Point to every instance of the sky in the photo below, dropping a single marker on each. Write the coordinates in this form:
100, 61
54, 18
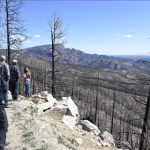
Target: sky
94, 27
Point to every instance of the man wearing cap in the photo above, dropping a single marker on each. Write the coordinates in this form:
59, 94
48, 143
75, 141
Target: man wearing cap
4, 76
14, 80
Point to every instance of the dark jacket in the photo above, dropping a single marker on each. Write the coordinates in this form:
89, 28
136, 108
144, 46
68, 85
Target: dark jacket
14, 73
1, 98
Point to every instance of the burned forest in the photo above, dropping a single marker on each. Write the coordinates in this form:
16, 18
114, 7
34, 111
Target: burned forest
115, 100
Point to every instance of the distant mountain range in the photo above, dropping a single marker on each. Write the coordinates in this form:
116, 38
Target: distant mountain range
78, 57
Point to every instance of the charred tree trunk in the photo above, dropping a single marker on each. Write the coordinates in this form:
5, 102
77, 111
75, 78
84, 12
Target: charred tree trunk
8, 34
53, 71
112, 120
145, 123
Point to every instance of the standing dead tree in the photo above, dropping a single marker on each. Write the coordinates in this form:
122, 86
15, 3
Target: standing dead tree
58, 38
1, 28
14, 27
145, 124
112, 120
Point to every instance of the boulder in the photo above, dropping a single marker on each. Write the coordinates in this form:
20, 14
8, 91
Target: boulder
44, 93
108, 138
72, 109
99, 144
44, 106
78, 141
43, 97
37, 96
88, 126
104, 143
125, 145
70, 121
38, 100
49, 98
57, 112
107, 135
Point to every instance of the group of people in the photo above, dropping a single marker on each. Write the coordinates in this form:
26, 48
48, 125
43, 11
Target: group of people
9, 80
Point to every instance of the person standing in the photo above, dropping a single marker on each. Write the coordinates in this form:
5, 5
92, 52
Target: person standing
3, 124
26, 79
4, 76
14, 80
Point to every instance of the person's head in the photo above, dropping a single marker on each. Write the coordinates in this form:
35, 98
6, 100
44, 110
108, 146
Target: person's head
3, 58
25, 70
14, 62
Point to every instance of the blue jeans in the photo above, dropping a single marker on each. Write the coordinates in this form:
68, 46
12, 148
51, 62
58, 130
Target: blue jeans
13, 86
5, 92
3, 127
27, 89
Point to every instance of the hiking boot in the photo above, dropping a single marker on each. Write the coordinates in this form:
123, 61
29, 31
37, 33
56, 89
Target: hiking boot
16, 100
7, 143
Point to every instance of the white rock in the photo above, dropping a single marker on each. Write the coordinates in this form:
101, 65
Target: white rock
79, 141
57, 112
79, 126
103, 143
70, 121
107, 135
72, 108
50, 98
108, 138
99, 144
88, 126
44, 93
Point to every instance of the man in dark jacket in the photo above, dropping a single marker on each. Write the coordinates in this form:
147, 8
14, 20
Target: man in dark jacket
3, 123
5, 76
14, 80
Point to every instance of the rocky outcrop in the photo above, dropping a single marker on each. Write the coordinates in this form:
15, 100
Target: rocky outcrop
88, 126
43, 105
108, 138
57, 112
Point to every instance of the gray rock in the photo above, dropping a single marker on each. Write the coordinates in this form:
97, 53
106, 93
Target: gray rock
44, 93
88, 126
108, 138
72, 109
57, 112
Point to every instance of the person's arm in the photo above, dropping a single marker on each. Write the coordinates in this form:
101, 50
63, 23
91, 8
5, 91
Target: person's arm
7, 71
18, 74
24, 76
1, 97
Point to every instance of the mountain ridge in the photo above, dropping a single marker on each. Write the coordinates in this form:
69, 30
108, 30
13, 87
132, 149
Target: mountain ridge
82, 58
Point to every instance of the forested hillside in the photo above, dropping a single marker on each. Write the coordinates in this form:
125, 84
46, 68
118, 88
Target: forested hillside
104, 96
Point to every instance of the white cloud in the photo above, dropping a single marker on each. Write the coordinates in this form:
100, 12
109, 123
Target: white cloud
29, 41
49, 43
16, 37
37, 36
128, 36
119, 34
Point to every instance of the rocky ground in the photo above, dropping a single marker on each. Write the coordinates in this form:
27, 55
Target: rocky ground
30, 131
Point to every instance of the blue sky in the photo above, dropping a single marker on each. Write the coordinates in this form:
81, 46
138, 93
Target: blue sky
95, 27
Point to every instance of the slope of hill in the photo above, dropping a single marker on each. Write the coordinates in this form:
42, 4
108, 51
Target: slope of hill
29, 130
